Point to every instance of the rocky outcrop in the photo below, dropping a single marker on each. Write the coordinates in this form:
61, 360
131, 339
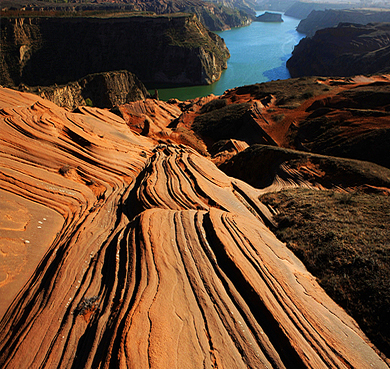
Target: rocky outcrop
103, 90
269, 17
346, 117
345, 50
331, 18
288, 168
175, 49
123, 253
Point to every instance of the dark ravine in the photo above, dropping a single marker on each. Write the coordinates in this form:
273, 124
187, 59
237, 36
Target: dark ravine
180, 50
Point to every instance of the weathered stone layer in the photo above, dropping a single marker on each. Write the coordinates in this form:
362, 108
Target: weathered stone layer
161, 261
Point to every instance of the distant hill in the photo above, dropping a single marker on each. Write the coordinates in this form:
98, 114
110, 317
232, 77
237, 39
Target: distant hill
345, 50
319, 19
301, 9
217, 17
275, 5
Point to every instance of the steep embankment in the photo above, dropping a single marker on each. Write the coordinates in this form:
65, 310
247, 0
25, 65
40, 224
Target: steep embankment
171, 49
160, 259
345, 50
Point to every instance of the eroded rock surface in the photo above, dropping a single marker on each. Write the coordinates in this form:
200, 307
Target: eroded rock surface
160, 260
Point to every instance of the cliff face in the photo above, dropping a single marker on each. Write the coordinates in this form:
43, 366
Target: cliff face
346, 50
123, 253
330, 18
103, 90
213, 16
44, 51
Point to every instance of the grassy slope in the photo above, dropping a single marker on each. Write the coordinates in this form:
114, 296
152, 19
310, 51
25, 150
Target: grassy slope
344, 240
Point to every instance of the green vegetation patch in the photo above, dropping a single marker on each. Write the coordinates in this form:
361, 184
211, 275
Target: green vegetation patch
344, 241
194, 35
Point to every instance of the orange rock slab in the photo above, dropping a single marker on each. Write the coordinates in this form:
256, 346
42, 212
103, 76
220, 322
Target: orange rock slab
159, 260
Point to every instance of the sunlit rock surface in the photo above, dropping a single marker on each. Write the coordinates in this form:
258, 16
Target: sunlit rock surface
146, 256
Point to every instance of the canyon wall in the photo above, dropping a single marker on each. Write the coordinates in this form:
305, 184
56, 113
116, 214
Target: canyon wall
175, 50
346, 50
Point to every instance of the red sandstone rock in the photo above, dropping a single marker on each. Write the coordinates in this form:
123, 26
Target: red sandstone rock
154, 257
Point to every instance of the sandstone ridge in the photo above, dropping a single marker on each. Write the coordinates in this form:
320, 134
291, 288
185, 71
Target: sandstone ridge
155, 257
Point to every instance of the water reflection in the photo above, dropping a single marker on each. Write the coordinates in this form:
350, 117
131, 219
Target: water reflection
258, 54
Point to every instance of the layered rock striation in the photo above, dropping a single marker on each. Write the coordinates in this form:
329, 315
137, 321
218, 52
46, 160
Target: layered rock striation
156, 258
170, 49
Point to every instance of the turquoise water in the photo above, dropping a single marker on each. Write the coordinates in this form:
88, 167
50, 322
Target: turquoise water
258, 54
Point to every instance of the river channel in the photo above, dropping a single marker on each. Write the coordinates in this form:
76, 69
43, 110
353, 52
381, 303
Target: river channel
258, 54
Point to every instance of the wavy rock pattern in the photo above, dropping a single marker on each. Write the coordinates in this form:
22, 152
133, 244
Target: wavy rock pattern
162, 260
